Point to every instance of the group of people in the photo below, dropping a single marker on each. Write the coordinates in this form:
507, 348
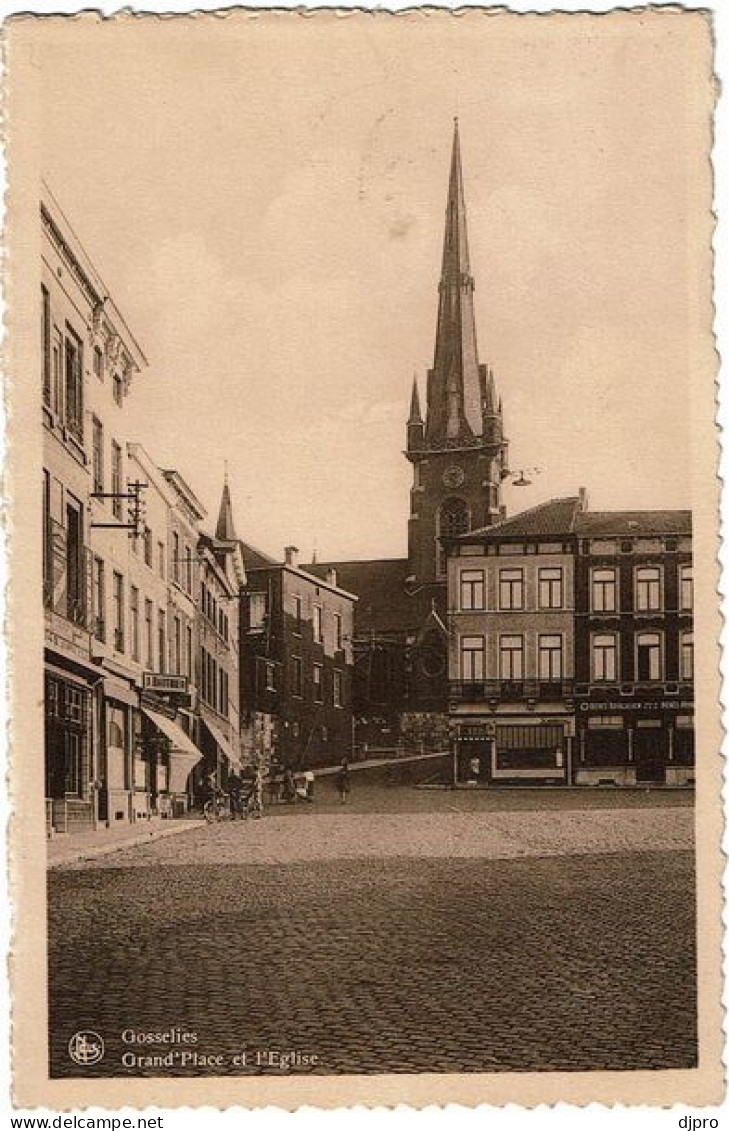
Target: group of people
244, 790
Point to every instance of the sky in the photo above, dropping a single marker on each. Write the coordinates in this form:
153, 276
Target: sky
265, 196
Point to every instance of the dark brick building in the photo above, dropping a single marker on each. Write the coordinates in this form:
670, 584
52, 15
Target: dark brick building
296, 664
634, 647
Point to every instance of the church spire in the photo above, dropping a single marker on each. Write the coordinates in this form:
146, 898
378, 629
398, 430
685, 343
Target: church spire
415, 417
225, 529
454, 386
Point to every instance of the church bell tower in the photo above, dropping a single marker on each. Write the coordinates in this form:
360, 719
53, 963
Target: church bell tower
458, 451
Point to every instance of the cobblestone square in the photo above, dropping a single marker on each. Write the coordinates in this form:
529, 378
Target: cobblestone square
507, 959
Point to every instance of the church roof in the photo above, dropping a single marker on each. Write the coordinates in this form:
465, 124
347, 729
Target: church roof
225, 529
384, 606
454, 408
253, 558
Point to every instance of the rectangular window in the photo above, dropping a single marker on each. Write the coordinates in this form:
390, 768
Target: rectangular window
604, 658
118, 389
472, 658
297, 614
99, 601
256, 612
118, 612
511, 658
75, 579
550, 588
687, 656
604, 591
46, 344
188, 651
47, 542
176, 557
338, 689
74, 384
161, 559
687, 587
134, 620
177, 646
472, 589
57, 375
511, 589
162, 641
318, 684
149, 634
296, 680
318, 624
338, 631
116, 479
98, 455
187, 554
550, 658
647, 589
648, 656
98, 363
147, 538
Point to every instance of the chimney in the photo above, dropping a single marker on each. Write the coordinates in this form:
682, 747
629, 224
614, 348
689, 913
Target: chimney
291, 554
332, 577
583, 504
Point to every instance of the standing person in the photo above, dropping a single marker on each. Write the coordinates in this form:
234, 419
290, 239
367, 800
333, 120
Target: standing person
309, 780
234, 784
258, 792
343, 782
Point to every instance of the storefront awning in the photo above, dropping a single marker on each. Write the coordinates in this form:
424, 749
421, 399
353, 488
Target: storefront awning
184, 753
121, 692
223, 745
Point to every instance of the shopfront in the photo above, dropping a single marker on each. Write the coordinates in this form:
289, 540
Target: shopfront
515, 749
639, 742
68, 751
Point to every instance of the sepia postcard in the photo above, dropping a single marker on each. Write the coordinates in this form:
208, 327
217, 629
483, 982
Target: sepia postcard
363, 523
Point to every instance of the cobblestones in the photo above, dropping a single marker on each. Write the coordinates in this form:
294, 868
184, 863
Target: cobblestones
381, 963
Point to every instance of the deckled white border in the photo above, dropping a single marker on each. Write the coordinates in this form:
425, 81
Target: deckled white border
561, 1116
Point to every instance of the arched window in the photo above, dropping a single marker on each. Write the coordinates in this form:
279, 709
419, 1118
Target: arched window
453, 520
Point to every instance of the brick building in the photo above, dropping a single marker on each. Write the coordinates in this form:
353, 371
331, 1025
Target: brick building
634, 647
571, 647
296, 663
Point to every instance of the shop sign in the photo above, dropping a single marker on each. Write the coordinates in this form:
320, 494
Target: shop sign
634, 706
165, 684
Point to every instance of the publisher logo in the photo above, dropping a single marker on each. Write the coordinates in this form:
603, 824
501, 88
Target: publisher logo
86, 1048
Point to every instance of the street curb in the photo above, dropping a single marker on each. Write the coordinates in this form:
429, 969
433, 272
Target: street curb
91, 852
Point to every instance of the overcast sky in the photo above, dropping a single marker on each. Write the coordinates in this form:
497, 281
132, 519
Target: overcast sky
265, 200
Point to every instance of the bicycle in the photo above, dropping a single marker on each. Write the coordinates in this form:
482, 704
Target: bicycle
217, 808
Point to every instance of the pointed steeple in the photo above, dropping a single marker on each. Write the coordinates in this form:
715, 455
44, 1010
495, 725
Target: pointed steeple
454, 386
415, 417
225, 529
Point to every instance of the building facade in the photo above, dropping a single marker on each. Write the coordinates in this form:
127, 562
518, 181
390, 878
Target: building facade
88, 358
634, 648
222, 579
571, 647
296, 665
458, 454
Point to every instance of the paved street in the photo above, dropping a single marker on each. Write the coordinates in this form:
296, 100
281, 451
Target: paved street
435, 941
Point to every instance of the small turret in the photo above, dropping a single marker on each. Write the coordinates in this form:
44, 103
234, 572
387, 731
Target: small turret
416, 427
